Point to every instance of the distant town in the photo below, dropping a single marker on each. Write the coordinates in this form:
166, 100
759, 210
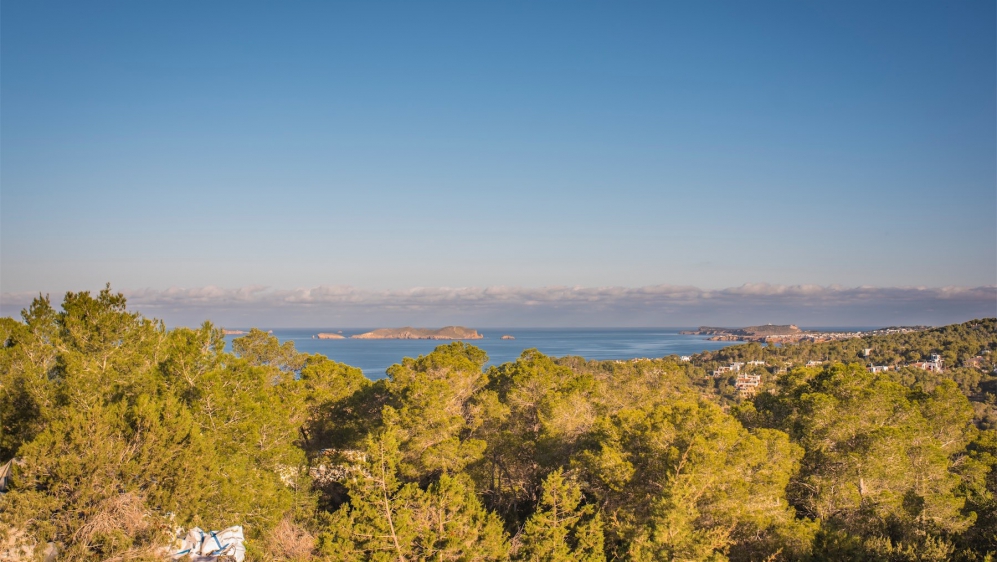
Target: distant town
770, 333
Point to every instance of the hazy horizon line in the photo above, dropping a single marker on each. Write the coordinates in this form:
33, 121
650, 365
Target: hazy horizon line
556, 306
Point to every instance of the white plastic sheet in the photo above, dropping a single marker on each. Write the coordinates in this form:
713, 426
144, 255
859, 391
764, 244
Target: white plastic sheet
211, 545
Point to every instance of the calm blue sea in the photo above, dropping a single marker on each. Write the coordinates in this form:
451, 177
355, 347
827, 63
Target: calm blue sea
375, 356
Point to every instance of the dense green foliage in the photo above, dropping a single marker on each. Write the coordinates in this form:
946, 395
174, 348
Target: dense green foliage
968, 352
124, 432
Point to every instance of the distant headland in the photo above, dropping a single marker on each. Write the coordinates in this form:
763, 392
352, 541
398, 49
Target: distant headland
447, 333
750, 331
786, 333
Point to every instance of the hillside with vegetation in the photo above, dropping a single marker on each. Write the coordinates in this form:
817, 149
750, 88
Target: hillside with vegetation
766, 330
124, 432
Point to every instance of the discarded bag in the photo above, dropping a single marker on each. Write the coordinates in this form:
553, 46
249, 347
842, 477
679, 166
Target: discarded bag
6, 470
213, 545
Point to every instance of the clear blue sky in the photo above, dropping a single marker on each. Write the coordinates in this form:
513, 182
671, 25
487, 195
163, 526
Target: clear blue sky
394, 145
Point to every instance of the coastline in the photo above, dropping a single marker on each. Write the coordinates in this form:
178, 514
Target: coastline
374, 356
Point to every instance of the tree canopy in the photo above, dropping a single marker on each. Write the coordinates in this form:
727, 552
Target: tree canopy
124, 432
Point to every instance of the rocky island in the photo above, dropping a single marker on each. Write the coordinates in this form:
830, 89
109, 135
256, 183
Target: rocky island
328, 336
447, 333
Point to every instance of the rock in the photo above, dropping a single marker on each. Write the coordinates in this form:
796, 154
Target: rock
508, 337
448, 333
328, 336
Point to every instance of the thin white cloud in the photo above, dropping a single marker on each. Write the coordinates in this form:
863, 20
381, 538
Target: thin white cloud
661, 305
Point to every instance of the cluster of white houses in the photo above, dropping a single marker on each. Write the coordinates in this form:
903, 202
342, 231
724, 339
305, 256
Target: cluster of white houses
934, 365
748, 383
732, 368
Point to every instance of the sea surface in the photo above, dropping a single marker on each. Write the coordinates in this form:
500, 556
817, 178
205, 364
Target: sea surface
375, 356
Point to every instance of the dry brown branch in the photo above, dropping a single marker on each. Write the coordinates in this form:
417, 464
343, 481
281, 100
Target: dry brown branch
124, 514
288, 541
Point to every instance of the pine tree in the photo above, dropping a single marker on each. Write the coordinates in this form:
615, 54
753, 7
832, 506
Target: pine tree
563, 529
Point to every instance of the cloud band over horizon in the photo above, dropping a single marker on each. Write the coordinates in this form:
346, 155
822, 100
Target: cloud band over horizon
555, 306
